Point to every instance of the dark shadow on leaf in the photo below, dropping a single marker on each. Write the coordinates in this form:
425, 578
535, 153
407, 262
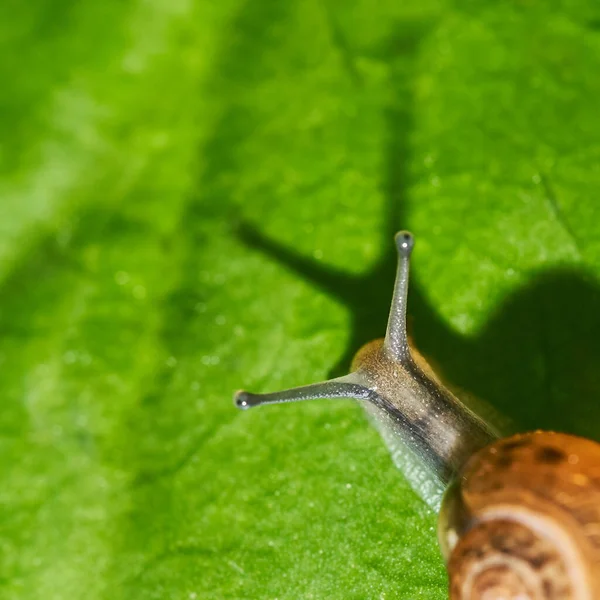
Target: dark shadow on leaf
536, 358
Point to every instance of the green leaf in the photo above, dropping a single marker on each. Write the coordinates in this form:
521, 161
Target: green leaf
200, 196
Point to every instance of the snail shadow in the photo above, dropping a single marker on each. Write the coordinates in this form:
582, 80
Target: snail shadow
535, 360
536, 357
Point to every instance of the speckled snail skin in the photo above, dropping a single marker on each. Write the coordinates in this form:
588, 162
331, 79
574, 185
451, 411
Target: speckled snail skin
519, 515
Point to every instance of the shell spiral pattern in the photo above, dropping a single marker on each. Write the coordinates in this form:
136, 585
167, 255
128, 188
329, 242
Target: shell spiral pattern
523, 521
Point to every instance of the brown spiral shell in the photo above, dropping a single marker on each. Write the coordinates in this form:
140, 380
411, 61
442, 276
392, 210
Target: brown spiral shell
523, 521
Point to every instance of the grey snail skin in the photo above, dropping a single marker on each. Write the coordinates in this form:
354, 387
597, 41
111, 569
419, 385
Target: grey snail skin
519, 514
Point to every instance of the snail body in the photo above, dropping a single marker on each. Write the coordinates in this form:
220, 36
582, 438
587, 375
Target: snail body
519, 515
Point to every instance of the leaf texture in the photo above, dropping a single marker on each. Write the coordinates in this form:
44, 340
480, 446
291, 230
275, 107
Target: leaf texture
199, 196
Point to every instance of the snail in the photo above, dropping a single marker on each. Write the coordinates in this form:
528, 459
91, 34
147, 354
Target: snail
519, 513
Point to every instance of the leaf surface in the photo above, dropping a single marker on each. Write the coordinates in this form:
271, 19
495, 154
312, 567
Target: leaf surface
200, 196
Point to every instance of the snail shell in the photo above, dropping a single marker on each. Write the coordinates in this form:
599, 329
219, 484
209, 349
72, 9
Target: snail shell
523, 521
